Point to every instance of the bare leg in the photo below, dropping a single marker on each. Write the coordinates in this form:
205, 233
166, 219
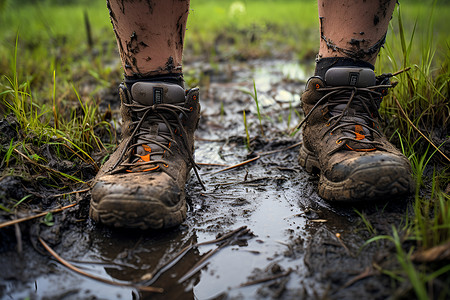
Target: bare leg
149, 35
352, 32
354, 29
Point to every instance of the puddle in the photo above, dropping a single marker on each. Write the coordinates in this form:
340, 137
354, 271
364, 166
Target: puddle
271, 218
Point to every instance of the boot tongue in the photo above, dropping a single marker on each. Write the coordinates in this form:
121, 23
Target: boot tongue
148, 94
352, 77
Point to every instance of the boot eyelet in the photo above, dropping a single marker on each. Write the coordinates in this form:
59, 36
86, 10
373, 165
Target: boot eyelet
165, 165
317, 86
328, 124
338, 142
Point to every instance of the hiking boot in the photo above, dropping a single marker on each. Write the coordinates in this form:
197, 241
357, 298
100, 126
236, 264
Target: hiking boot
142, 185
342, 138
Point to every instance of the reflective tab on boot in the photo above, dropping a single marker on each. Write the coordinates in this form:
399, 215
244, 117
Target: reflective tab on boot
150, 93
350, 76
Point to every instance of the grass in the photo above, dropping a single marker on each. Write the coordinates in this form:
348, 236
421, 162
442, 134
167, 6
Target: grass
417, 113
254, 96
247, 134
422, 91
52, 77
76, 131
250, 29
419, 107
408, 267
45, 118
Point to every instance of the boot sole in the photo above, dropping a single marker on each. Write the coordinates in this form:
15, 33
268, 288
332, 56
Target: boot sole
127, 212
364, 184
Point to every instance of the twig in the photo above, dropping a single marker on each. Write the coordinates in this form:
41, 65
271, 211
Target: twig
152, 277
434, 254
199, 139
81, 272
201, 263
280, 150
401, 71
266, 279
9, 223
258, 155
237, 165
70, 193
244, 181
211, 164
338, 236
412, 124
318, 220
366, 273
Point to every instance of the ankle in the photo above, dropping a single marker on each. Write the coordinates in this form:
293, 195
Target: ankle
174, 78
324, 64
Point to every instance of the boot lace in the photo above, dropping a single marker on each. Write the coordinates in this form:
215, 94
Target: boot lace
353, 111
168, 114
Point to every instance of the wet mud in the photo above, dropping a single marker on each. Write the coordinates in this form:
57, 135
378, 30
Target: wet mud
297, 247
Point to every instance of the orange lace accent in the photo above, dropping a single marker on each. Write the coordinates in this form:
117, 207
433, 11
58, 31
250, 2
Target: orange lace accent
359, 132
145, 158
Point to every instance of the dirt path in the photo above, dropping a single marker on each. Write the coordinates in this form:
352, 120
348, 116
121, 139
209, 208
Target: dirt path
297, 247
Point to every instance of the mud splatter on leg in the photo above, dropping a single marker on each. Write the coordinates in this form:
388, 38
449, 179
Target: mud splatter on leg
150, 35
342, 23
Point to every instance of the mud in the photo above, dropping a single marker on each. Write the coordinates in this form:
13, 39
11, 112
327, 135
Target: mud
298, 247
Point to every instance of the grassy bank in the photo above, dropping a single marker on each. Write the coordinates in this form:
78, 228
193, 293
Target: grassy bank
52, 74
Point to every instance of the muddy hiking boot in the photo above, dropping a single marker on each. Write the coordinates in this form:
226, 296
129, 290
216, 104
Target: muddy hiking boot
142, 185
343, 140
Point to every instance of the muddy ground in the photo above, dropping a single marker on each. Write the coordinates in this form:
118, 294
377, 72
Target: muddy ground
297, 247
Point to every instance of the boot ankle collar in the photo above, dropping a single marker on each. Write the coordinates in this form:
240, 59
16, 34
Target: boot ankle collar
324, 64
167, 78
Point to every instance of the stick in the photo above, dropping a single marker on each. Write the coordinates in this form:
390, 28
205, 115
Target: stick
152, 277
401, 71
56, 210
212, 165
70, 193
266, 279
366, 273
202, 262
237, 165
338, 236
81, 272
258, 155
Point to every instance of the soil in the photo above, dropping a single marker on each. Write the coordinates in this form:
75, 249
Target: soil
298, 246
